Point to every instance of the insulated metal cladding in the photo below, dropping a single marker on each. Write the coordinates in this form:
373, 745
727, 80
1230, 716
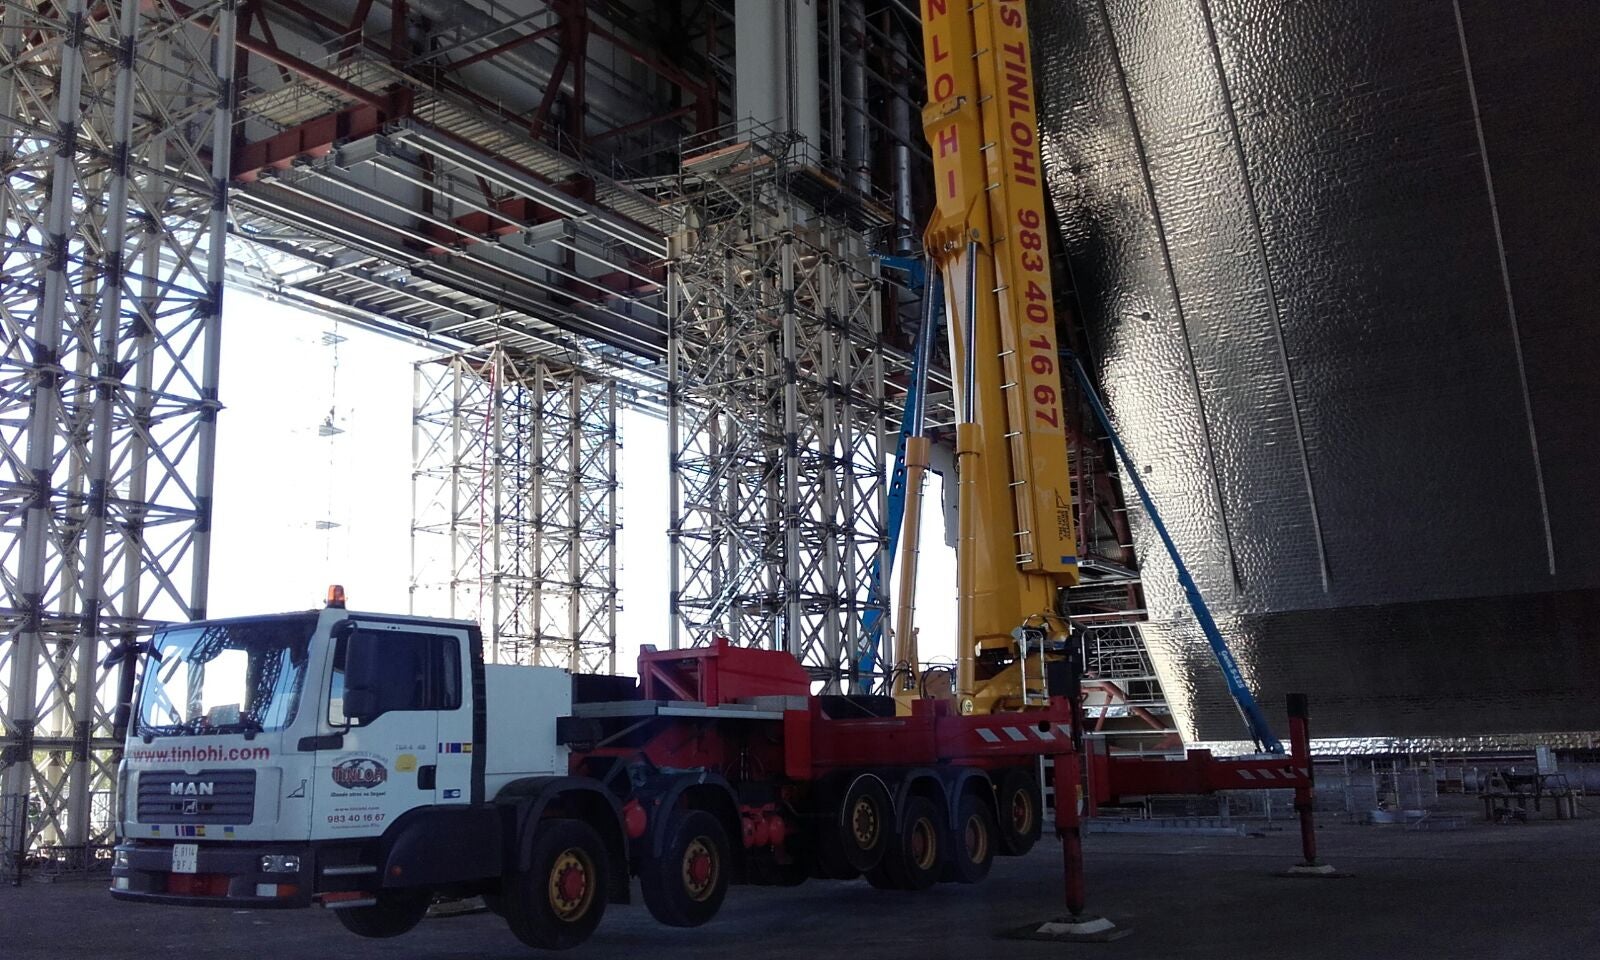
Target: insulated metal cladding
1338, 262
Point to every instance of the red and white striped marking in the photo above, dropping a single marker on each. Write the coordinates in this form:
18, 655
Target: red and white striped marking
1021, 733
1267, 773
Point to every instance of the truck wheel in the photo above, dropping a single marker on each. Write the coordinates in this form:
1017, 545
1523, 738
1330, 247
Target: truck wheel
887, 875
973, 841
865, 824
396, 912
684, 886
1021, 811
914, 859
558, 901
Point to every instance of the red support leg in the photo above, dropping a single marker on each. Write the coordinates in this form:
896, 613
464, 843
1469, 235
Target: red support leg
1305, 790
1300, 751
1069, 824
1076, 925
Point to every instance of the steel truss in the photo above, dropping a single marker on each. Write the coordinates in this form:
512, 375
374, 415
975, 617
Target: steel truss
776, 422
115, 135
515, 506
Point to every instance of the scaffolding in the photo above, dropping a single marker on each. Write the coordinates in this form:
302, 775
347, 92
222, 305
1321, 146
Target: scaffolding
776, 393
115, 137
515, 506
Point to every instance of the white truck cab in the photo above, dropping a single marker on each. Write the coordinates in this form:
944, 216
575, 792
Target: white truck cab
275, 760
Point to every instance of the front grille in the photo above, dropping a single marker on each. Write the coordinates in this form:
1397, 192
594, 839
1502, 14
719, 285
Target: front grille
212, 796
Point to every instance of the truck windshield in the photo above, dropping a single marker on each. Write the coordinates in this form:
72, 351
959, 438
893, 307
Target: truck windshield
239, 676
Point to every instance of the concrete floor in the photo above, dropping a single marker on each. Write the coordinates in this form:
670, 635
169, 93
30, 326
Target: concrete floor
1502, 892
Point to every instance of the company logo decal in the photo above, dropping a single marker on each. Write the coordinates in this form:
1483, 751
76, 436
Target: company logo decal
363, 773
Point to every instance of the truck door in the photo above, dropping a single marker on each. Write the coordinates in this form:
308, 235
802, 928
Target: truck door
398, 693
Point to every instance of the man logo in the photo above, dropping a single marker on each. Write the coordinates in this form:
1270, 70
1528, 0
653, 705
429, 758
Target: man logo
191, 808
192, 788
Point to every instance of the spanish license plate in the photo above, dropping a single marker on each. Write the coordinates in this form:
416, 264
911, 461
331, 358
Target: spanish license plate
186, 858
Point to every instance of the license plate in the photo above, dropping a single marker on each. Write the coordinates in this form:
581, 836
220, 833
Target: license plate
186, 858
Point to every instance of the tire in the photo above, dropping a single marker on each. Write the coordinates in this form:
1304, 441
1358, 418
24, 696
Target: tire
883, 877
1020, 808
396, 912
863, 824
558, 901
915, 858
829, 862
685, 885
974, 839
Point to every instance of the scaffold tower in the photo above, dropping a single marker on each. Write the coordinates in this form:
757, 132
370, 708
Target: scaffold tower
515, 506
115, 136
776, 374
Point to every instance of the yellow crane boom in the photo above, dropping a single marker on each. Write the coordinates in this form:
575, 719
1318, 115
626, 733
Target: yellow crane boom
1017, 546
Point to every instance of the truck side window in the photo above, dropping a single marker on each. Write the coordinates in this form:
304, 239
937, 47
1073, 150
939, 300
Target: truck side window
419, 671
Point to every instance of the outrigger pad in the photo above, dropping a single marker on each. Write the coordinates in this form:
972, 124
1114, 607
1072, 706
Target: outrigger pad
1315, 871
1081, 929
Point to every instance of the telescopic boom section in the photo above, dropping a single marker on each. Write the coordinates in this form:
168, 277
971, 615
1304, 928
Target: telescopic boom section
1017, 546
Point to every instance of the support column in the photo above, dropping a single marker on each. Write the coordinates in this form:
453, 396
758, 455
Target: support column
514, 506
116, 134
778, 495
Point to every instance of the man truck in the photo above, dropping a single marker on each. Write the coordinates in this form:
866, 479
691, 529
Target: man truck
372, 763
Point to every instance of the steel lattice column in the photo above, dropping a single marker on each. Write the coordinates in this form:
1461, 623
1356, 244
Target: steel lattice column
115, 134
515, 506
776, 426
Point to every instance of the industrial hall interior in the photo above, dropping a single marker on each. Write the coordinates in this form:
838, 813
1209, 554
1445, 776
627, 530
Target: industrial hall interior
904, 479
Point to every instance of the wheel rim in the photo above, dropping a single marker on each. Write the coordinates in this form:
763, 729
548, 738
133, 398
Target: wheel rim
571, 886
864, 823
977, 839
924, 844
1021, 813
700, 868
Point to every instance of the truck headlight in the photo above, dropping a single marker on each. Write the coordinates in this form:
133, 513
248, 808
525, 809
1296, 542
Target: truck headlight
280, 863
119, 860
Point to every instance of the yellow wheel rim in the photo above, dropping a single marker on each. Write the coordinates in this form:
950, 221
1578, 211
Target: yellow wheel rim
700, 869
976, 835
924, 844
571, 885
1021, 813
864, 823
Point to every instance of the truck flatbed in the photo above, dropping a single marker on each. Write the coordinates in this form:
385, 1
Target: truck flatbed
670, 708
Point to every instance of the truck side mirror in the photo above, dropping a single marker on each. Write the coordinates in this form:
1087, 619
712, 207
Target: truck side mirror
360, 704
361, 700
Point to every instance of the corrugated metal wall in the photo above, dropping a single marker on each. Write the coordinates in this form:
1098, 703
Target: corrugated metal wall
1338, 261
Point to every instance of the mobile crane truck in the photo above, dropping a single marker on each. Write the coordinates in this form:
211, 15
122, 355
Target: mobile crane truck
372, 763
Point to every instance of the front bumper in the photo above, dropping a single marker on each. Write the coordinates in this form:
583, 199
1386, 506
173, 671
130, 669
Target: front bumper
228, 875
